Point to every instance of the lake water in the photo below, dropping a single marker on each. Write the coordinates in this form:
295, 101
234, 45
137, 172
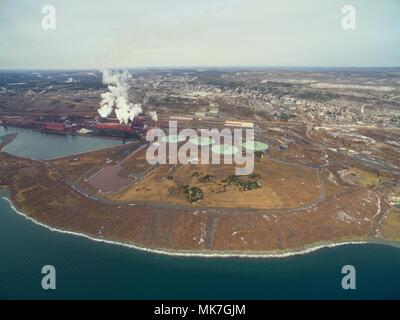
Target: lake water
44, 146
89, 269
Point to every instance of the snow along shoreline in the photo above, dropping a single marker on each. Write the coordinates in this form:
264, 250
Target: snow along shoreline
189, 253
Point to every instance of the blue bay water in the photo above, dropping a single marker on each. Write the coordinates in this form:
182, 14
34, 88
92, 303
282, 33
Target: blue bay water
89, 269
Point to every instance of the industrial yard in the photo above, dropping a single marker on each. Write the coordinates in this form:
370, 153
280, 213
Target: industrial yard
316, 179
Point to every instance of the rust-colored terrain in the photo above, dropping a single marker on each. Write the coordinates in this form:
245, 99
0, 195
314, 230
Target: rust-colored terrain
319, 189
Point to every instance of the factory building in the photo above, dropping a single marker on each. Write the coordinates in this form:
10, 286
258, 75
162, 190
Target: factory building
53, 126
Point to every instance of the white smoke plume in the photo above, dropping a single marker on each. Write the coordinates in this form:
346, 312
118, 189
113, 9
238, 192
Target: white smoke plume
117, 97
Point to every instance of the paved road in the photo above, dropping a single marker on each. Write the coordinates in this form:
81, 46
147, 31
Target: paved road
75, 185
214, 210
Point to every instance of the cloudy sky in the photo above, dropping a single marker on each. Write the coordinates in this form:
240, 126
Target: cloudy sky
153, 33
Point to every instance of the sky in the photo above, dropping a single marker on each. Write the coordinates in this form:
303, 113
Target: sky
96, 34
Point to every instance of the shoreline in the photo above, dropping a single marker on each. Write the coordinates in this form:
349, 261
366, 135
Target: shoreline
217, 254
122, 142
68, 133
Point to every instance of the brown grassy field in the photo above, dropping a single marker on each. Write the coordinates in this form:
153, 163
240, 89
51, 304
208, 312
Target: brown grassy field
287, 212
282, 186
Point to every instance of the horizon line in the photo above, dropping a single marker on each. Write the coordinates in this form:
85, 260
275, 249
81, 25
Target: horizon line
192, 67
